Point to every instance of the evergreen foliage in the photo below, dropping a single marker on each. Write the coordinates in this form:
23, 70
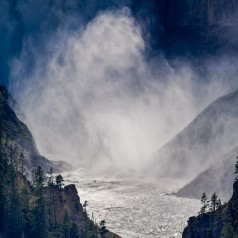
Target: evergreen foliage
103, 230
204, 202
214, 202
59, 181
220, 220
28, 209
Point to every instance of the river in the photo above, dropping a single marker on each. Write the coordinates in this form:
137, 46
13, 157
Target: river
134, 208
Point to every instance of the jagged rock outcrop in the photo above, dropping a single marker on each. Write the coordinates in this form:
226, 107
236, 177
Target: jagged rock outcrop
66, 200
15, 134
203, 226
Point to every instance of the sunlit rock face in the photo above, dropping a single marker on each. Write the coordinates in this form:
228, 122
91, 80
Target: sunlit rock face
67, 200
16, 136
211, 134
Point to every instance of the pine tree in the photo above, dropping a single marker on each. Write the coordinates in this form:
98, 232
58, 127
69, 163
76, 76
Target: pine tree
103, 230
13, 201
51, 186
219, 205
93, 226
25, 195
70, 230
15, 219
59, 181
85, 204
50, 179
39, 179
204, 202
214, 202
67, 229
39, 214
66, 225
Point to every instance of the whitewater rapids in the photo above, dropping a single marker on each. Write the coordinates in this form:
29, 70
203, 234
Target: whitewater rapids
133, 208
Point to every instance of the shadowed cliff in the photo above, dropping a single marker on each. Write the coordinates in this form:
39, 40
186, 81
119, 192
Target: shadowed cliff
221, 223
16, 135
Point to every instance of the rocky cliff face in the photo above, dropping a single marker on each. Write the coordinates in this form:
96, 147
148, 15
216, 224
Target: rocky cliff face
16, 139
16, 135
221, 223
204, 226
67, 200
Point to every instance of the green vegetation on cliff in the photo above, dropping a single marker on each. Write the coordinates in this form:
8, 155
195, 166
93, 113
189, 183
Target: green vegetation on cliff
220, 221
42, 208
38, 209
34, 203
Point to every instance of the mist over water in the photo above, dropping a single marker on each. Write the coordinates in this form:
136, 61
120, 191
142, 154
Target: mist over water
113, 87
94, 99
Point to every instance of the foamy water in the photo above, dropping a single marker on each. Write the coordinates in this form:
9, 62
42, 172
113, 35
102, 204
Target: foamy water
133, 208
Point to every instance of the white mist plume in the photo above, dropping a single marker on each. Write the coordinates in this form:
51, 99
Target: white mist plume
94, 99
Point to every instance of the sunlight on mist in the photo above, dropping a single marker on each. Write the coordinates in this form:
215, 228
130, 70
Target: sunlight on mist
94, 100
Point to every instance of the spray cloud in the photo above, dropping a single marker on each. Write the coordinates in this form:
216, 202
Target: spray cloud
92, 98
